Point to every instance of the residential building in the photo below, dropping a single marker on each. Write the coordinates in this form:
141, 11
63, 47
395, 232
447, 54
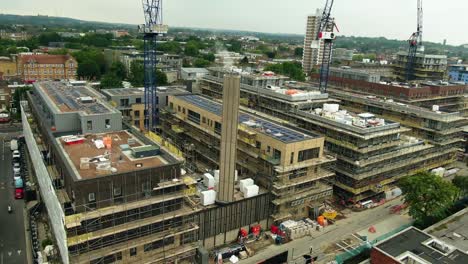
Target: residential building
448, 97
41, 67
287, 161
313, 47
372, 153
340, 54
114, 54
8, 68
131, 101
354, 74
427, 67
228, 57
16, 36
5, 96
69, 108
120, 33
418, 247
458, 73
192, 73
116, 196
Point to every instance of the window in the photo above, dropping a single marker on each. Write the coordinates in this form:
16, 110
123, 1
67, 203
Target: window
194, 117
133, 252
137, 113
291, 161
276, 154
138, 100
167, 100
183, 110
137, 123
117, 191
89, 125
91, 197
258, 144
218, 128
268, 149
203, 120
178, 108
308, 154
146, 189
108, 124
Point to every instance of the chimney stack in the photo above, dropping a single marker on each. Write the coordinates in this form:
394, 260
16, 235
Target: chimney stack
228, 157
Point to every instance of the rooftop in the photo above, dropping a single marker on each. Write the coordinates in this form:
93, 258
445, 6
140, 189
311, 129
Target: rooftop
141, 90
45, 58
264, 126
419, 245
195, 70
88, 161
453, 230
72, 98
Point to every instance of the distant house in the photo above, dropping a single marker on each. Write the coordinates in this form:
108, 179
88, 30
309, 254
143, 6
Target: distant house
39, 67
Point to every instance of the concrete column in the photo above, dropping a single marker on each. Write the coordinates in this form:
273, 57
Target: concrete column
228, 156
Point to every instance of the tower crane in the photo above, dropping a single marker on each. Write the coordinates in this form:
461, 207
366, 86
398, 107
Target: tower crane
152, 28
326, 34
415, 44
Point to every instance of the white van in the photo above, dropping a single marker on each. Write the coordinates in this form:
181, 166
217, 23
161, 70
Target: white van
14, 145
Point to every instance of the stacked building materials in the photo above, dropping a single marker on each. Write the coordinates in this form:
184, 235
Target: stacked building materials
244, 183
251, 191
298, 229
439, 171
208, 180
208, 197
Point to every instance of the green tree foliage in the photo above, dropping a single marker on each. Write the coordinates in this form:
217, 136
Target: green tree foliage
58, 52
89, 56
110, 80
161, 78
209, 57
97, 40
45, 38
18, 95
428, 196
192, 48
271, 54
118, 68
201, 63
293, 70
88, 70
298, 52
170, 47
234, 46
462, 184
244, 61
137, 74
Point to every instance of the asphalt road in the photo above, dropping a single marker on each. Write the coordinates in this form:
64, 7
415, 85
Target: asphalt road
12, 236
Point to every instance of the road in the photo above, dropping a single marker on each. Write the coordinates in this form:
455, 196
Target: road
331, 234
12, 233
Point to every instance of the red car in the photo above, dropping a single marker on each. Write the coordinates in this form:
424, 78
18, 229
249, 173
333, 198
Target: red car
19, 193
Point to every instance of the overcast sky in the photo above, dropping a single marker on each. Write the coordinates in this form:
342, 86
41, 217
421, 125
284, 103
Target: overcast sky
389, 18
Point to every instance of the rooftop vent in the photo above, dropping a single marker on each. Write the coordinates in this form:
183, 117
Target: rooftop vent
86, 99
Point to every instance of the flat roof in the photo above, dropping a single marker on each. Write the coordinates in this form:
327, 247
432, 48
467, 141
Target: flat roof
266, 127
141, 90
66, 99
119, 157
453, 230
195, 70
414, 241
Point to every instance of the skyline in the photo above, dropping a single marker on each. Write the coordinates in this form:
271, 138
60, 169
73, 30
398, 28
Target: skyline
276, 16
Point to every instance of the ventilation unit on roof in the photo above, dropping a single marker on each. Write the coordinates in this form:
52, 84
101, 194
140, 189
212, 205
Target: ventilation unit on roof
86, 99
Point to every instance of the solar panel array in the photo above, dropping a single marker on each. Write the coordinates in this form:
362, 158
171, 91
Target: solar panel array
69, 96
273, 130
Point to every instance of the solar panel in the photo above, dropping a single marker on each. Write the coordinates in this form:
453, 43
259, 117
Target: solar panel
273, 130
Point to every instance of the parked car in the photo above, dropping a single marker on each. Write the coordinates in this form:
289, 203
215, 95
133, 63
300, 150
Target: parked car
19, 193
16, 175
16, 168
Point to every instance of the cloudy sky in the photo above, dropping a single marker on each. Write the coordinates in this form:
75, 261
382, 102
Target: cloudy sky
390, 18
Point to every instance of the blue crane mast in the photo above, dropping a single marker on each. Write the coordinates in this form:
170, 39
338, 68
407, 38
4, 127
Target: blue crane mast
415, 45
326, 34
152, 28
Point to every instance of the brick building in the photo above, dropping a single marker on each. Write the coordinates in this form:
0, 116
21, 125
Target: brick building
40, 67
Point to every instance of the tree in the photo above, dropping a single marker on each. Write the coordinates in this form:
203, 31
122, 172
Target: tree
161, 78
290, 69
244, 61
428, 196
234, 46
88, 69
118, 68
209, 57
298, 52
45, 38
19, 95
462, 184
191, 49
137, 74
201, 63
170, 47
91, 54
110, 80
58, 52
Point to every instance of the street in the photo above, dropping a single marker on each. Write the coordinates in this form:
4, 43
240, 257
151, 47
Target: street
12, 233
334, 233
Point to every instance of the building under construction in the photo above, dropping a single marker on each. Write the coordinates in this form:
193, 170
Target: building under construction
371, 152
121, 198
289, 162
426, 67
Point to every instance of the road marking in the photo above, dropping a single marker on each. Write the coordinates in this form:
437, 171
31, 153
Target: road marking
19, 252
9, 253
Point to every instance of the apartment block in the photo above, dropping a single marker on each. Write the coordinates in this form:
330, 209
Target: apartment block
354, 74
372, 153
426, 67
112, 196
8, 68
286, 161
42, 67
458, 73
